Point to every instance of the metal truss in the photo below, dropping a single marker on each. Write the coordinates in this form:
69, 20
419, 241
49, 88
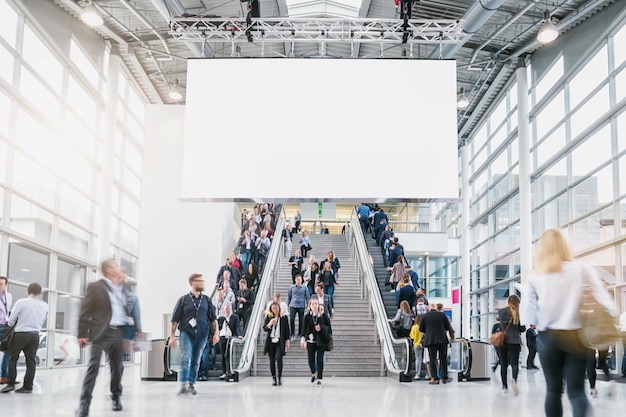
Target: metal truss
323, 30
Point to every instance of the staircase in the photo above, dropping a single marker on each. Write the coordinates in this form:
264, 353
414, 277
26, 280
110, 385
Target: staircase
382, 275
357, 353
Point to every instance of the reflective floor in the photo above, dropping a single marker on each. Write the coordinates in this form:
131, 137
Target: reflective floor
56, 394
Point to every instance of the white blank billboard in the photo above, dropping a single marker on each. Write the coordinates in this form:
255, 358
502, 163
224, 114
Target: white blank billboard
278, 130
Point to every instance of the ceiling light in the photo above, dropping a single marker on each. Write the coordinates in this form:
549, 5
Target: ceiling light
175, 93
548, 31
461, 101
91, 16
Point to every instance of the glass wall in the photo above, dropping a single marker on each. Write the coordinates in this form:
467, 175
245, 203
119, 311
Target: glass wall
578, 136
53, 140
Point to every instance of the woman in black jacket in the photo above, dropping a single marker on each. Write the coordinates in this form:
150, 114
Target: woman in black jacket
277, 340
509, 353
314, 338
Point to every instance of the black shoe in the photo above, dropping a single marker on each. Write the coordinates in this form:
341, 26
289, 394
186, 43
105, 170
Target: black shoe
274, 382
279, 381
24, 390
312, 378
116, 404
7, 388
83, 411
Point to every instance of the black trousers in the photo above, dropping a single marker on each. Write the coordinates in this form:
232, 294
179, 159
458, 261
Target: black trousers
438, 351
276, 359
27, 342
111, 344
316, 359
530, 360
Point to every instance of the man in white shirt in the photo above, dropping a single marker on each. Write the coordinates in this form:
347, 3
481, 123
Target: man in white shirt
6, 302
28, 315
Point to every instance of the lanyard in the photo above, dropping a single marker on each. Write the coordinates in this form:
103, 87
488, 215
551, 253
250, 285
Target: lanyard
193, 301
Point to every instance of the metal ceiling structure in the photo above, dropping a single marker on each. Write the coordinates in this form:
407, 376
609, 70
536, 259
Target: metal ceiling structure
485, 37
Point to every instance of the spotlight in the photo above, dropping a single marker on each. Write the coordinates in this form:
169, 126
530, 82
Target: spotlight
175, 93
462, 102
91, 16
547, 32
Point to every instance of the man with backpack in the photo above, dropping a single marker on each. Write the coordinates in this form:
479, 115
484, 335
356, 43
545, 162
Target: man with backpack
193, 315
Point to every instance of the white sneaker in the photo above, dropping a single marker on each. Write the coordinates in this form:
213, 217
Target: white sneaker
611, 390
223, 376
504, 391
515, 388
392, 290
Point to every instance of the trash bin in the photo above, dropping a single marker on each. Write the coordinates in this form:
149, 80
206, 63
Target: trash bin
154, 363
471, 359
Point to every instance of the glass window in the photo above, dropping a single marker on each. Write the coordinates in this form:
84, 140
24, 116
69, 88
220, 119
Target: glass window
42, 60
594, 151
498, 115
36, 140
5, 113
8, 23
133, 158
3, 162
122, 85
512, 92
503, 217
590, 112
550, 115
77, 171
129, 238
79, 134
74, 205
6, 65
551, 145
622, 175
71, 278
73, 240
499, 166
588, 78
604, 264
513, 121
84, 64
549, 79
82, 102
27, 265
479, 139
552, 215
498, 137
135, 129
30, 220
619, 50
595, 191
620, 85
32, 180
40, 96
621, 131
502, 243
129, 264
136, 105
132, 183
130, 211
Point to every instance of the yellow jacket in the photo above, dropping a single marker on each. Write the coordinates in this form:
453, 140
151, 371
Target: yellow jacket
416, 335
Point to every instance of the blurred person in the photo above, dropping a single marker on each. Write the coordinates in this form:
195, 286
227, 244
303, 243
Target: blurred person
335, 266
229, 328
262, 249
402, 321
406, 292
244, 298
252, 277
297, 300
287, 235
531, 344
284, 308
552, 296
295, 261
311, 273
305, 243
416, 337
397, 271
510, 351
298, 221
323, 299
364, 215
245, 244
592, 375
494, 329
28, 316
314, 338
6, 303
193, 315
435, 326
276, 341
100, 323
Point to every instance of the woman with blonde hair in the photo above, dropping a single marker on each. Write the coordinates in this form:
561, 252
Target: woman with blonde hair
551, 301
403, 320
509, 352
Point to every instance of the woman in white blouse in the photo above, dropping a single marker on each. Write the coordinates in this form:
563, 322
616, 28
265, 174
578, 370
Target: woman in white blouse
551, 301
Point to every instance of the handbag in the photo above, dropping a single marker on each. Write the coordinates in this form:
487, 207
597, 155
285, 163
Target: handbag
497, 338
331, 344
598, 330
7, 339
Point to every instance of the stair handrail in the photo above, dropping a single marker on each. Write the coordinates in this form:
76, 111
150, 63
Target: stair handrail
395, 364
240, 363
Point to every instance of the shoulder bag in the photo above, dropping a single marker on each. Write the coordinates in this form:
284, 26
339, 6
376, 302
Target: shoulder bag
497, 338
7, 339
599, 329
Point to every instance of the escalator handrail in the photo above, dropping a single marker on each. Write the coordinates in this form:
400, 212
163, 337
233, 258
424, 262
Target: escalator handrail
356, 238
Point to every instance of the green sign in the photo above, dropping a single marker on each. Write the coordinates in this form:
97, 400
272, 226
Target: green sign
319, 210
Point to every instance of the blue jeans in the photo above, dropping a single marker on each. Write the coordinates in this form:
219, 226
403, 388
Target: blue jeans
292, 319
561, 363
330, 290
191, 349
5, 356
245, 259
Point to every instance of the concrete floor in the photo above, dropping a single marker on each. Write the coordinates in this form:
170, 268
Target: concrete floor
56, 393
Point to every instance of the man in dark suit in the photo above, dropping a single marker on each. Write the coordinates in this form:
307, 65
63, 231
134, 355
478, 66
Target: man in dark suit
229, 327
435, 326
531, 344
101, 321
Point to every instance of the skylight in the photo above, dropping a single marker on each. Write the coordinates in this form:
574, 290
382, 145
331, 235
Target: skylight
324, 8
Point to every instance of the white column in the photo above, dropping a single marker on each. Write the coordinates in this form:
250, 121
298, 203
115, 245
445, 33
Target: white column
465, 244
108, 152
523, 133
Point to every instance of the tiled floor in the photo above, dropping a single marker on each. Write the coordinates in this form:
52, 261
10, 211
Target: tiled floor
56, 394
